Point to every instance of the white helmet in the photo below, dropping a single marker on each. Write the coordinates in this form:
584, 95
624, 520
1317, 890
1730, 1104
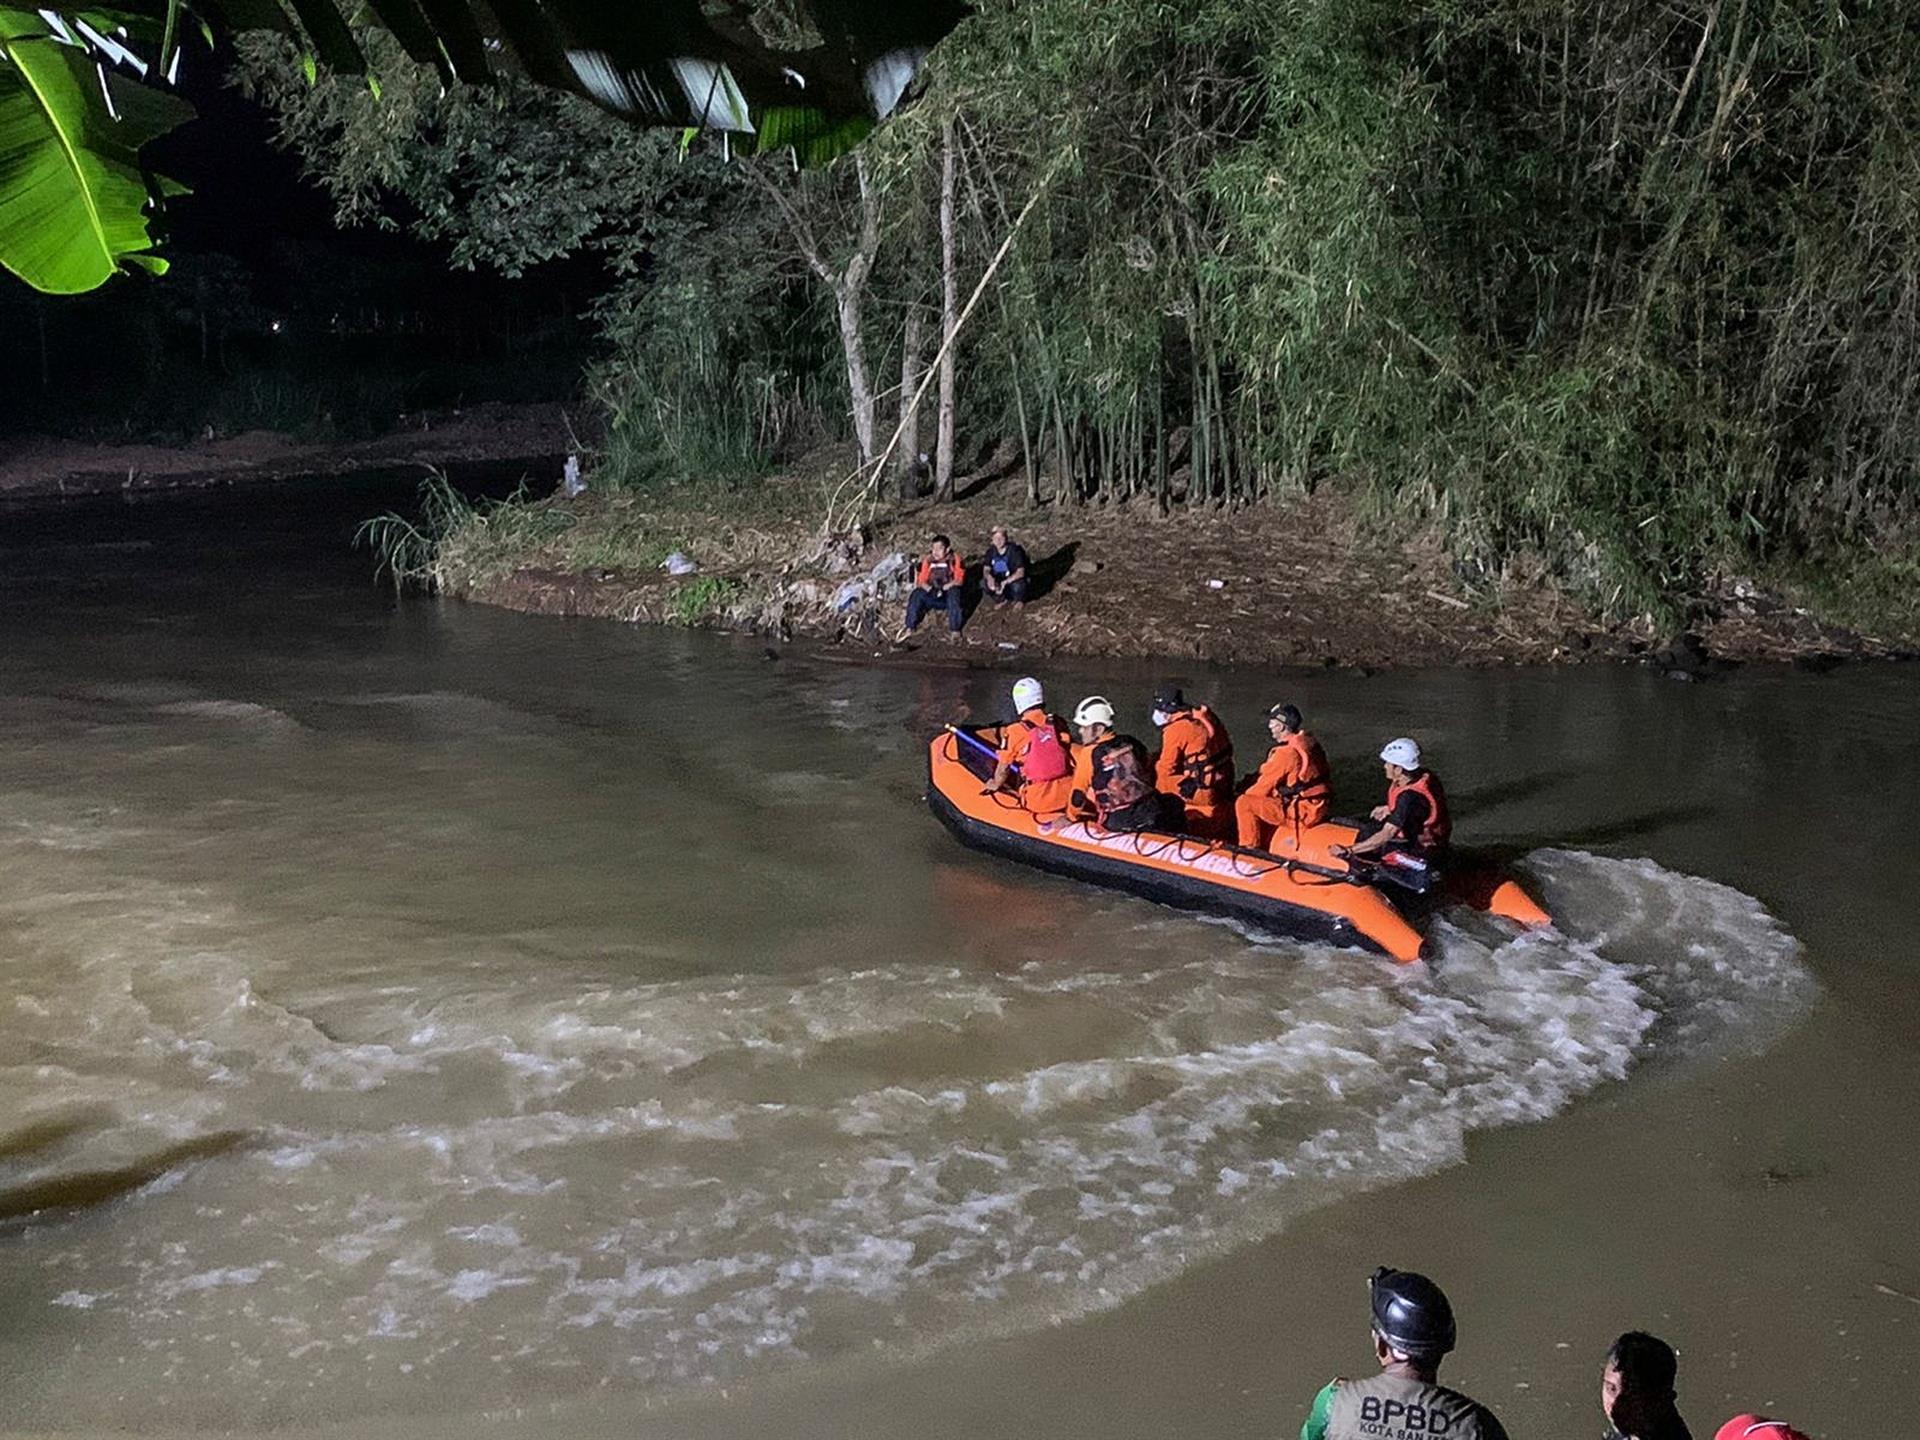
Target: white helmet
1094, 710
1402, 752
1027, 694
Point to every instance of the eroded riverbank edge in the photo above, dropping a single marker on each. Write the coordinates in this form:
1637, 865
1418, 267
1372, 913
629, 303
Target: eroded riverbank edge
1309, 585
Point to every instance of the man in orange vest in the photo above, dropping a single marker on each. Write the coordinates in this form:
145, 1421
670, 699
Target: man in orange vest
1037, 743
937, 585
1195, 766
1414, 821
1291, 791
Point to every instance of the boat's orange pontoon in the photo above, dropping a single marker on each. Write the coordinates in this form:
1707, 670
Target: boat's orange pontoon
1297, 888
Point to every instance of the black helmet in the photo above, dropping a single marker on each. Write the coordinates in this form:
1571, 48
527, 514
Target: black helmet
1411, 1314
1287, 715
1169, 699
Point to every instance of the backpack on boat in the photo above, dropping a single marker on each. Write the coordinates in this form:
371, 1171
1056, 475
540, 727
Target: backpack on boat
1120, 778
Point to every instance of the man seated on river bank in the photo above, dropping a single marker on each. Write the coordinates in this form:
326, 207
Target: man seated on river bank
1003, 570
937, 585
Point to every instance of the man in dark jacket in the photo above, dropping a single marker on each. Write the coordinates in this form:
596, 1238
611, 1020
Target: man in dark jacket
1003, 570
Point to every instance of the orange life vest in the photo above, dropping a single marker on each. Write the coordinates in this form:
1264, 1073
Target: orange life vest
1438, 828
1209, 765
941, 573
1313, 769
1041, 752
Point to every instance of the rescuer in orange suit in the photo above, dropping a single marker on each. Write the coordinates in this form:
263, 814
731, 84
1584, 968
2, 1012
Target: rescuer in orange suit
1292, 788
1112, 777
1414, 821
1037, 743
1195, 766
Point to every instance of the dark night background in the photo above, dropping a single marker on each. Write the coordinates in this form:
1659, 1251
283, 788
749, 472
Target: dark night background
272, 318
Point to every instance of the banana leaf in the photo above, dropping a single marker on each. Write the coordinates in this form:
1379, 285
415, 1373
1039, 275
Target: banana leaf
73, 199
815, 138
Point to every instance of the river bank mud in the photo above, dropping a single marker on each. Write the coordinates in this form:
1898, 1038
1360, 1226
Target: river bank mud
34, 467
1314, 584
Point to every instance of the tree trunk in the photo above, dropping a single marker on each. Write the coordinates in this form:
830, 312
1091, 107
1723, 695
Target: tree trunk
849, 291
859, 389
949, 319
849, 288
907, 457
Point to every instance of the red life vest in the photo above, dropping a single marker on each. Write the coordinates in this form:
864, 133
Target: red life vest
1438, 828
1312, 784
1042, 756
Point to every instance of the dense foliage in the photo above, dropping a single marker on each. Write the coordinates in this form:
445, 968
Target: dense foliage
83, 91
1630, 287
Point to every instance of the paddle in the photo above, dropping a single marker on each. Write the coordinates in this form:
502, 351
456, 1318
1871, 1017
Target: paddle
975, 741
985, 749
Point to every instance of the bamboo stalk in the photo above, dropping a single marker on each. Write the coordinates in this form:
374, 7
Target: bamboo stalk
1160, 444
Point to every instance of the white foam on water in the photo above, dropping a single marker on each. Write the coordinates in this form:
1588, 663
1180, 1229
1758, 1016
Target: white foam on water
541, 1189
238, 712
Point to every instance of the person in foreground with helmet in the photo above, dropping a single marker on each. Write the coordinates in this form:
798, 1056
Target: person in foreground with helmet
1414, 821
1037, 744
1194, 768
1412, 1329
1636, 1389
1112, 781
1291, 789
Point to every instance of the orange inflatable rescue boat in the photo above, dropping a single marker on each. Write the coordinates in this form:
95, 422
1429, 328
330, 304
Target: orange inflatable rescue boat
1297, 889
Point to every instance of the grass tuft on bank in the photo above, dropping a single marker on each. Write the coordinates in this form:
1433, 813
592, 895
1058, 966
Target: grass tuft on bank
742, 535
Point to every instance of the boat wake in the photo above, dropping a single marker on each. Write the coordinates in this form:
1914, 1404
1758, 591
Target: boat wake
514, 1188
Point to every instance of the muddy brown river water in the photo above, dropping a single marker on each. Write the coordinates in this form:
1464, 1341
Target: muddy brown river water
414, 1015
